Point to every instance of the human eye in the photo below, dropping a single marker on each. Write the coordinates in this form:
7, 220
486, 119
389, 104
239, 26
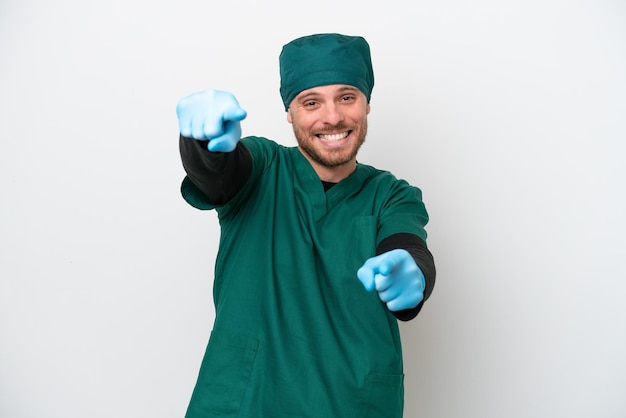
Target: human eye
310, 103
347, 98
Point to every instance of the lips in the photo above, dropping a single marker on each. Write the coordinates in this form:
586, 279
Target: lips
333, 137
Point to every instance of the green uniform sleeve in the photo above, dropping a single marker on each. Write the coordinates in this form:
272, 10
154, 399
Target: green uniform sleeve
403, 212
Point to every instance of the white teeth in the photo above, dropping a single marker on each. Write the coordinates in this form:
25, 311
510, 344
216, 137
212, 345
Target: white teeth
334, 137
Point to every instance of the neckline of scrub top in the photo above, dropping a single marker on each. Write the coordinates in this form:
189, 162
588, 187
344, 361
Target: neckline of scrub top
322, 201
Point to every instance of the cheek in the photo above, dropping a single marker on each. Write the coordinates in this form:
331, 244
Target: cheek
302, 124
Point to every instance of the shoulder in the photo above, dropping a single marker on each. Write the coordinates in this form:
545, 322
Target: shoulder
260, 144
384, 180
264, 150
398, 204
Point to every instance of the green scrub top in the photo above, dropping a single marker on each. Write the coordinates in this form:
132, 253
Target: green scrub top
295, 333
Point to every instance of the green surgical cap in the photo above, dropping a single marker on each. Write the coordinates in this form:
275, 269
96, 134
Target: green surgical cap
324, 59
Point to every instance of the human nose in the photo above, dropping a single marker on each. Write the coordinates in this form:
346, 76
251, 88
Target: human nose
333, 114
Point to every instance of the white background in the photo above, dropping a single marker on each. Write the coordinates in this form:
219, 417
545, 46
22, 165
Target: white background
508, 115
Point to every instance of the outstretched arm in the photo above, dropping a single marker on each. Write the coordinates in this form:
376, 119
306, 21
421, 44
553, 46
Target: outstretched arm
214, 159
403, 273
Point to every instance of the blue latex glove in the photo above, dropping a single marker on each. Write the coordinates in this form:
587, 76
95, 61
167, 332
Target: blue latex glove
396, 277
212, 115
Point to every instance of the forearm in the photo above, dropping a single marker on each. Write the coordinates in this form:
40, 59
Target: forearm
218, 175
423, 258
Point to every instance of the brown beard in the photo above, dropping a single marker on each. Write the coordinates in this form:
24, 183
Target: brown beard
334, 158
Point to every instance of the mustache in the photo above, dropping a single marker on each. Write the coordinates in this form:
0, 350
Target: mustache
333, 128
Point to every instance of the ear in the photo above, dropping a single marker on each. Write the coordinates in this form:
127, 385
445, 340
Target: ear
367, 109
289, 116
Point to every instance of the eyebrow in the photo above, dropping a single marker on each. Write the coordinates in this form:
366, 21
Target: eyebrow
348, 88
341, 90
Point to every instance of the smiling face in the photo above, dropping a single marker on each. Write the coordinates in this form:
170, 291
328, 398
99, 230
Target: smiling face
330, 124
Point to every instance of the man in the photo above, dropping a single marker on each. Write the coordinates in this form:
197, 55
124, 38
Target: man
319, 255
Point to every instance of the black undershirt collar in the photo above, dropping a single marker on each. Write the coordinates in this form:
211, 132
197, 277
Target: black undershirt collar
327, 185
